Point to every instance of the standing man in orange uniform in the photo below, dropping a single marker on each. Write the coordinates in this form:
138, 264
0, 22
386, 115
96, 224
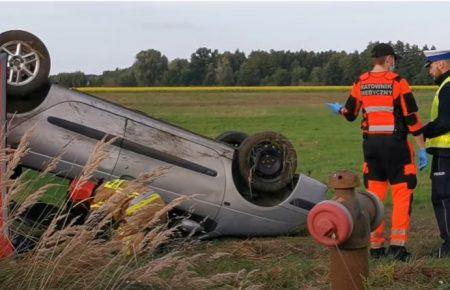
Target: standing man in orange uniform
389, 115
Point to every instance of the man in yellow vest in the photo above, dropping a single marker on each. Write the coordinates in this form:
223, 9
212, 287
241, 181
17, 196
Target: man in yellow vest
437, 133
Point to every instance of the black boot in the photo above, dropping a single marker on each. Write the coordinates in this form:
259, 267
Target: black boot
399, 253
378, 253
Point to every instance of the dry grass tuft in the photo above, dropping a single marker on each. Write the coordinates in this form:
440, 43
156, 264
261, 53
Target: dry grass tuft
110, 249
98, 154
32, 199
12, 157
183, 275
18, 154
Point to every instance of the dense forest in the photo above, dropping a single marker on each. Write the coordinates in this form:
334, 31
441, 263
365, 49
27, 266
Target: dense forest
207, 67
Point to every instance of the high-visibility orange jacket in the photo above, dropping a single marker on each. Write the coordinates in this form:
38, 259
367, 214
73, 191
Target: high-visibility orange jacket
387, 103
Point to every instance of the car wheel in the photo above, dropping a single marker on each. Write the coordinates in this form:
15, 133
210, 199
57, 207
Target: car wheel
28, 64
232, 138
267, 161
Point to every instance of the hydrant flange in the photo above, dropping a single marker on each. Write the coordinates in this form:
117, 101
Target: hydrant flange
379, 210
330, 223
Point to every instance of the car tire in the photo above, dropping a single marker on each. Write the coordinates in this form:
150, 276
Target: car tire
28, 65
267, 162
232, 138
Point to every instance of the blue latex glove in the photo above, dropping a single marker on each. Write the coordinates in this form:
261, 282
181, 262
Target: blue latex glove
335, 107
423, 159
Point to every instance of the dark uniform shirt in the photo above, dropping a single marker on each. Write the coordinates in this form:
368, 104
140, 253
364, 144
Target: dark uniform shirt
441, 124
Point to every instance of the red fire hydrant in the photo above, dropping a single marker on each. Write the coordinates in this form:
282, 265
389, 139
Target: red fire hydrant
344, 224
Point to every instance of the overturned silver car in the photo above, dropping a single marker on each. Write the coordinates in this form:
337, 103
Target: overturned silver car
244, 185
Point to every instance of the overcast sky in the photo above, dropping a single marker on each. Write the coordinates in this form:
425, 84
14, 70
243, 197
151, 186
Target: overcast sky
93, 37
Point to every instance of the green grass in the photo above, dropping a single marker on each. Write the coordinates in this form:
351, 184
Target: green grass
241, 89
324, 143
55, 196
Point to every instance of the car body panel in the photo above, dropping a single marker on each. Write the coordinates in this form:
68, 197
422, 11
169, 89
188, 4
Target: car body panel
239, 217
49, 140
196, 168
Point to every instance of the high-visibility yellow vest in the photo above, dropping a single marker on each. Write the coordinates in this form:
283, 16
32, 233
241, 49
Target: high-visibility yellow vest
442, 141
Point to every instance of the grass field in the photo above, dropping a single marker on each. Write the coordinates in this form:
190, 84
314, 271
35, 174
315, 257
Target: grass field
259, 89
324, 143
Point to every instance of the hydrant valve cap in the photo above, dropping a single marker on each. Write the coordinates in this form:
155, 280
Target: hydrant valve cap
330, 223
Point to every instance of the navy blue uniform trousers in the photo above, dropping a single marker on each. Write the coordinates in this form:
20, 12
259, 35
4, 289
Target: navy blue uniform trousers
440, 195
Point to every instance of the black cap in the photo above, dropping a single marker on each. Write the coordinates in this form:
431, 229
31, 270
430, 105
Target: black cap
384, 49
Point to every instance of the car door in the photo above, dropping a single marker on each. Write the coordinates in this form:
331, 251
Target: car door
191, 168
70, 129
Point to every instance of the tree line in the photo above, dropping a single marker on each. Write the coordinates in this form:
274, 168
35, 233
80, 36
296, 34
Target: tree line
207, 67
